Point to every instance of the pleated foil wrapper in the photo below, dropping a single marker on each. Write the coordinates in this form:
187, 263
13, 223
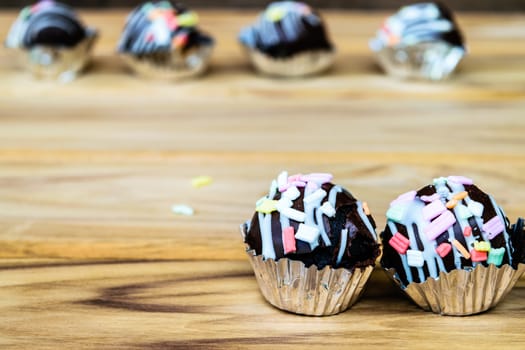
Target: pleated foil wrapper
428, 61
291, 286
172, 65
463, 292
58, 63
299, 65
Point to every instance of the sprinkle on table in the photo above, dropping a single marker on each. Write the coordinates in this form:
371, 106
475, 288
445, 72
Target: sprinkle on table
201, 181
182, 209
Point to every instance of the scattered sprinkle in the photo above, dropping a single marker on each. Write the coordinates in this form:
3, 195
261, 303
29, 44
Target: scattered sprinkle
496, 256
443, 249
266, 206
399, 242
182, 209
201, 181
477, 256
461, 249
482, 246
415, 258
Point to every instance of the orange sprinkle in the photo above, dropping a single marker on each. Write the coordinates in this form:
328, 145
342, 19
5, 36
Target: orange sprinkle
461, 249
461, 195
366, 208
451, 203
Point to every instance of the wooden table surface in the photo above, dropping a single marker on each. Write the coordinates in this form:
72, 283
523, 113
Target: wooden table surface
92, 257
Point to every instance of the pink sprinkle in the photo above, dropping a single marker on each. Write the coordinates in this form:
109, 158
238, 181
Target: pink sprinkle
431, 198
467, 231
291, 184
312, 185
150, 37
289, 240
493, 227
433, 209
293, 178
405, 197
478, 256
461, 180
319, 178
399, 242
443, 249
440, 225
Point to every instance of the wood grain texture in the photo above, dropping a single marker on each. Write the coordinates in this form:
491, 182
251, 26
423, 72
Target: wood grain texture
91, 169
205, 305
92, 257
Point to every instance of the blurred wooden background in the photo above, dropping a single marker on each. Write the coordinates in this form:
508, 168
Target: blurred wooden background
464, 5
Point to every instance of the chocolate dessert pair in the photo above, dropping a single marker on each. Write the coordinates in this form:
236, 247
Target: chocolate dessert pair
159, 39
449, 246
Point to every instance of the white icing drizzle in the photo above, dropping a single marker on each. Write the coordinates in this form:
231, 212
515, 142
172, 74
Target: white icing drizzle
501, 216
364, 217
265, 223
342, 246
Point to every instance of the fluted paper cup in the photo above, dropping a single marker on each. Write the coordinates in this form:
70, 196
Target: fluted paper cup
291, 286
59, 63
173, 65
301, 64
463, 292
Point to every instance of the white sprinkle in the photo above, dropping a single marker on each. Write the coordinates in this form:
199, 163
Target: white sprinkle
282, 179
415, 258
283, 203
475, 207
308, 234
292, 193
293, 214
327, 209
315, 196
273, 189
182, 209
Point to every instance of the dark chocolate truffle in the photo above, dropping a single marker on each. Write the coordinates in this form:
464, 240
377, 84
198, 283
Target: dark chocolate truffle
307, 218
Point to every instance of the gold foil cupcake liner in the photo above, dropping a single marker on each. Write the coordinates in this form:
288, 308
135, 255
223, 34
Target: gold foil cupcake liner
299, 65
463, 292
173, 65
291, 286
59, 63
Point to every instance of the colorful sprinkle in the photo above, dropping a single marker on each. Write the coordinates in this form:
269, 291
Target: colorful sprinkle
441, 224
443, 249
460, 196
451, 204
475, 208
327, 209
496, 256
366, 209
316, 196
318, 178
433, 210
282, 179
482, 246
289, 240
266, 206
404, 198
399, 242
290, 184
292, 193
463, 212
461, 180
467, 231
477, 256
440, 181
431, 198
283, 203
493, 227
461, 249
415, 258
311, 186
396, 213
182, 209
308, 234
293, 214
294, 178
188, 19
201, 181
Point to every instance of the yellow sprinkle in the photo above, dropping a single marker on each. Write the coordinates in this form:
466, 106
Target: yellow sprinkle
266, 206
201, 181
275, 14
188, 19
451, 203
366, 208
482, 246
461, 195
461, 249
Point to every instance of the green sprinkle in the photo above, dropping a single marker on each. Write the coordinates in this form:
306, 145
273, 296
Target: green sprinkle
396, 213
440, 181
496, 256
